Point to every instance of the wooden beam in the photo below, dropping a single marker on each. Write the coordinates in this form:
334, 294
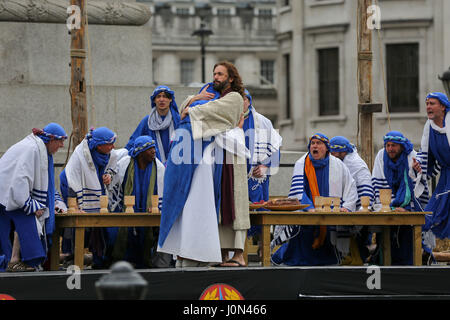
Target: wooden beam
365, 81
78, 83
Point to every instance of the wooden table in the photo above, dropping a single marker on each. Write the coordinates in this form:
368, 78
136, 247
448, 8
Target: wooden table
415, 219
80, 221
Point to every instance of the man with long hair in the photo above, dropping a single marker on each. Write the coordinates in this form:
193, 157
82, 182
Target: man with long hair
205, 207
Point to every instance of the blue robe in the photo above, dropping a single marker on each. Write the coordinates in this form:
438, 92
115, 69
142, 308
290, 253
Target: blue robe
439, 150
298, 250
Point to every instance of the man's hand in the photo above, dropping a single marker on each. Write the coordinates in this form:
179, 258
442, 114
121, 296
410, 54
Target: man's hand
106, 179
241, 121
203, 95
184, 113
400, 209
259, 171
416, 166
343, 210
39, 213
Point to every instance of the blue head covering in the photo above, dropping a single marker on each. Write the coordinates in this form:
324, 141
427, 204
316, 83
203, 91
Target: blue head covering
320, 137
52, 130
396, 173
442, 99
249, 97
341, 144
99, 136
397, 137
141, 144
173, 105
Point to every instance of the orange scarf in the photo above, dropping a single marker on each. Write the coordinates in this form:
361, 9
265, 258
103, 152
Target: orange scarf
314, 187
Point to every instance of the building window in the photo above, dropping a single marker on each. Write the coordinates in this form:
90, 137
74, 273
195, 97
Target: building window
267, 72
287, 71
187, 71
224, 18
328, 81
402, 72
265, 19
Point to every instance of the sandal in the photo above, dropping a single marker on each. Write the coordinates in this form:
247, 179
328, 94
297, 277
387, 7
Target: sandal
19, 267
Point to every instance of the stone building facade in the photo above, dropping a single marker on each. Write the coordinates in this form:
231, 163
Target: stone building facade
318, 66
243, 33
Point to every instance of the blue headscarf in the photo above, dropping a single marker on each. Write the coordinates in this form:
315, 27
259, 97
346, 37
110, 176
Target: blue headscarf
320, 163
320, 137
396, 173
52, 130
97, 137
442, 99
399, 138
341, 144
141, 144
173, 105
100, 136
249, 97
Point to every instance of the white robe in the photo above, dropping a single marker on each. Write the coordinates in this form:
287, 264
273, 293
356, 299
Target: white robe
24, 178
362, 175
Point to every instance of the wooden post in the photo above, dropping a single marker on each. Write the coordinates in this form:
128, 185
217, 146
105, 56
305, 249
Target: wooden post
78, 83
365, 83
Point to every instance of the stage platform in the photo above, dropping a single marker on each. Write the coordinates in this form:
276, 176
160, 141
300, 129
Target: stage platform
253, 283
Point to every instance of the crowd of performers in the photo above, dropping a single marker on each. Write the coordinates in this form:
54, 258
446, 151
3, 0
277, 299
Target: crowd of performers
205, 161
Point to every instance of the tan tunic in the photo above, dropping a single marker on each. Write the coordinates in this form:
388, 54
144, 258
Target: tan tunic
215, 117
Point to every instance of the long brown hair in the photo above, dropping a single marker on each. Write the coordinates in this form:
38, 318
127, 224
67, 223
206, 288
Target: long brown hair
233, 73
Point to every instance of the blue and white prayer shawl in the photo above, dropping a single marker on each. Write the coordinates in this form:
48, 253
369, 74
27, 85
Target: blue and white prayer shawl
405, 184
415, 187
116, 191
83, 177
264, 145
27, 184
159, 128
340, 184
434, 158
357, 166
178, 176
